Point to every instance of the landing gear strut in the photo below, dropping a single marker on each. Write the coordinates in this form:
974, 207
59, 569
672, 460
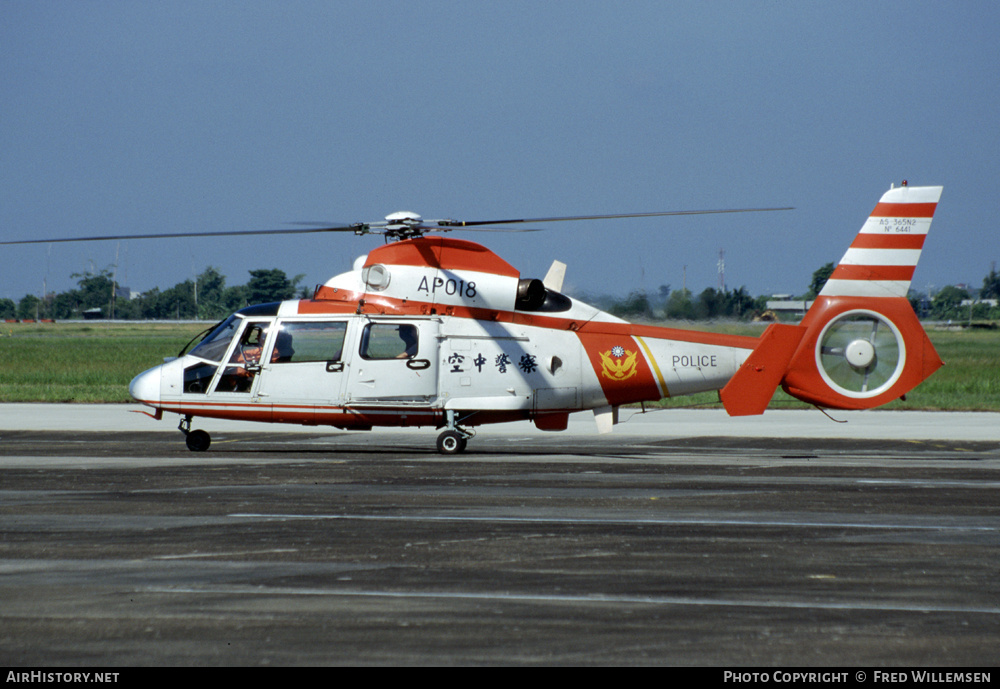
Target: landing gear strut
454, 439
197, 440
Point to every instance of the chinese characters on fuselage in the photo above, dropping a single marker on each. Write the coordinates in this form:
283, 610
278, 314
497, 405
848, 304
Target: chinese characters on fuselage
461, 363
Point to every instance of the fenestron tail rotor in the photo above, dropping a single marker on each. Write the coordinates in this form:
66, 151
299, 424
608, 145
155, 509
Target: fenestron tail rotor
860, 353
401, 225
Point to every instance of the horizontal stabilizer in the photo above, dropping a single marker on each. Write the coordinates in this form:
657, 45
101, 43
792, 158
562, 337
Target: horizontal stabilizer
751, 389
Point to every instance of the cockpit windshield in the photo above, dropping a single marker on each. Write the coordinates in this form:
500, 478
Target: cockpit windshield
215, 344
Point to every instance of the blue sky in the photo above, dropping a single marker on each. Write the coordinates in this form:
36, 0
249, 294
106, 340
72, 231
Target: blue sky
147, 117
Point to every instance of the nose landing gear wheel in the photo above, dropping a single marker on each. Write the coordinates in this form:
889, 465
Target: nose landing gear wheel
197, 441
451, 442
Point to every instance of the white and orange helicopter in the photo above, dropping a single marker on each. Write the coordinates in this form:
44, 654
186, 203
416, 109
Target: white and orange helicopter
440, 332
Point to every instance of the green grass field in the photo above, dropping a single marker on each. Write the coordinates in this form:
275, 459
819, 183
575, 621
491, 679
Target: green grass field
94, 362
69, 362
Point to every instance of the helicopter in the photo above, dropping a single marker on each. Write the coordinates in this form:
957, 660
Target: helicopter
429, 330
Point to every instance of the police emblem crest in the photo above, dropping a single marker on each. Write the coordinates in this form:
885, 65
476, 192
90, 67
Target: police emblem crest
619, 364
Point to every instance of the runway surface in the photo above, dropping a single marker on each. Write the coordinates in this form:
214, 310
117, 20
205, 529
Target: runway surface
670, 542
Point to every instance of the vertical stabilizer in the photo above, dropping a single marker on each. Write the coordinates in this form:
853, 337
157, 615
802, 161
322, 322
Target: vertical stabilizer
881, 260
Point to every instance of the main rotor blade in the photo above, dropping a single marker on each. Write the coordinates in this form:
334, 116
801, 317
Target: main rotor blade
170, 235
472, 223
387, 228
448, 228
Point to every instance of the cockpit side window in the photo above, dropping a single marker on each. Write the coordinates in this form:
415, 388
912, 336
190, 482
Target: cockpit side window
251, 344
245, 361
215, 344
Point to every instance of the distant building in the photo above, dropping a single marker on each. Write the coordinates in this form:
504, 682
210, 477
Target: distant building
789, 305
973, 302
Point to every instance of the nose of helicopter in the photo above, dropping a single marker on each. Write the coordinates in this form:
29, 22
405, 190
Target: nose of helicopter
145, 387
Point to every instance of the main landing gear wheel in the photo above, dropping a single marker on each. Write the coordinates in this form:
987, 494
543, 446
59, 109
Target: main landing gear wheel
451, 443
454, 438
198, 441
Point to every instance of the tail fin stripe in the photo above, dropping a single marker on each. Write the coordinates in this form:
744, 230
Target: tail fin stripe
880, 272
865, 288
881, 257
896, 226
904, 210
866, 240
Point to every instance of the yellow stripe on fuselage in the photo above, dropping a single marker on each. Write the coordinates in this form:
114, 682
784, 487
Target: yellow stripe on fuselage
656, 366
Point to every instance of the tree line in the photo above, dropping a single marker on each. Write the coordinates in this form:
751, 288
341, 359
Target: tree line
961, 302
951, 302
207, 297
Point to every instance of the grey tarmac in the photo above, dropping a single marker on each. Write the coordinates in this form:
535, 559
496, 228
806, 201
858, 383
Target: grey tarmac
679, 539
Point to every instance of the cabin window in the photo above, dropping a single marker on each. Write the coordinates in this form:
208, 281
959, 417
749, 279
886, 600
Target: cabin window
301, 342
389, 341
